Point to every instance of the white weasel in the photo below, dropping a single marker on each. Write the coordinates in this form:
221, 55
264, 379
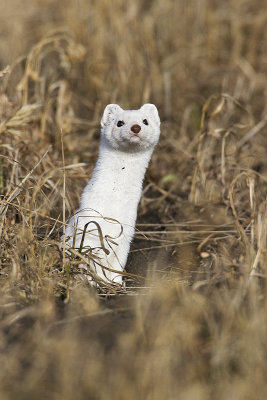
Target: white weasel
110, 199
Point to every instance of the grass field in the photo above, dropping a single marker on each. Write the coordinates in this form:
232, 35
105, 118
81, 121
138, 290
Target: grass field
192, 322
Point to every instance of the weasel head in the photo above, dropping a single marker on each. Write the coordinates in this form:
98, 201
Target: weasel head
131, 130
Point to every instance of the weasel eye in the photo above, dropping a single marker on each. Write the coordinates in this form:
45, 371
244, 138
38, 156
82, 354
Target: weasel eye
145, 121
120, 123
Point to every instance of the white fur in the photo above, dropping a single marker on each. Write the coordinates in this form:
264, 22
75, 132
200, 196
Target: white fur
110, 199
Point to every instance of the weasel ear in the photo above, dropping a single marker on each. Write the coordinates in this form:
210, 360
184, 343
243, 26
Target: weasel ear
110, 113
151, 109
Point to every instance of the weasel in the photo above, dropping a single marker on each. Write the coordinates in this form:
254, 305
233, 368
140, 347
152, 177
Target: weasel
104, 225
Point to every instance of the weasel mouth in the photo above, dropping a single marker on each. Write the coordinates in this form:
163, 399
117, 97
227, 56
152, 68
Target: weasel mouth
135, 139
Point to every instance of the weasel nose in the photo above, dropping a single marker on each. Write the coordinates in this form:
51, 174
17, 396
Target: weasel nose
136, 128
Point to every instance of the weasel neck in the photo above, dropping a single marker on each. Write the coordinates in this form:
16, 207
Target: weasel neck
116, 184
113, 164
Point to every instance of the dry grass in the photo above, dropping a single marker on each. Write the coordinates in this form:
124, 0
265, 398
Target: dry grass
191, 323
